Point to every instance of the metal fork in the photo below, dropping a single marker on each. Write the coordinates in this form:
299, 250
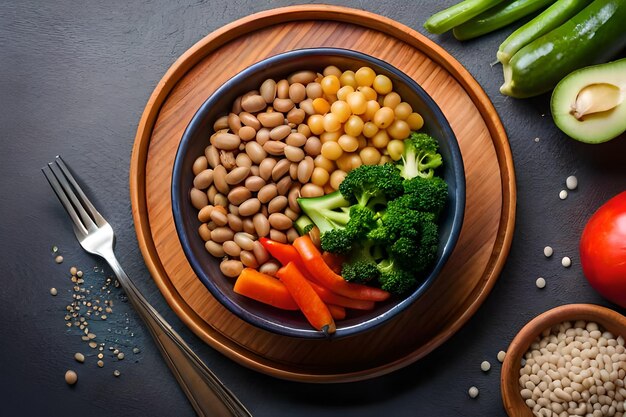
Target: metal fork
207, 394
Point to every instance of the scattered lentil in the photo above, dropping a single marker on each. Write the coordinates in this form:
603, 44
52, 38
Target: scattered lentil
541, 282
71, 377
473, 392
120, 356
537, 140
79, 357
566, 262
93, 345
501, 356
53, 291
571, 182
485, 366
563, 194
58, 259
548, 251
100, 363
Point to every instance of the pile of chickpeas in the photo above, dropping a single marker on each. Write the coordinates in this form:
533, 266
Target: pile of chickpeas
294, 137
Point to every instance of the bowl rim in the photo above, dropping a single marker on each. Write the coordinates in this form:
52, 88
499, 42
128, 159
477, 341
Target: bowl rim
273, 326
509, 388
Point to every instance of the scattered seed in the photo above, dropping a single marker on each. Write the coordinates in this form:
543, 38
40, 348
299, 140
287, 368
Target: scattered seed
53, 291
100, 356
540, 283
536, 139
566, 262
485, 366
58, 259
100, 364
79, 274
548, 251
563, 194
73, 270
571, 182
79, 357
116, 373
120, 356
93, 345
501, 356
55, 249
136, 350
115, 352
473, 392
71, 377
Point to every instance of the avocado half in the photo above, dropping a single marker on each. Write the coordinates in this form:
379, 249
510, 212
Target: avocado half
589, 104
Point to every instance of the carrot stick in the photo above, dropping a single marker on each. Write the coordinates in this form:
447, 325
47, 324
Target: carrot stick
338, 312
334, 261
310, 303
315, 264
264, 288
330, 297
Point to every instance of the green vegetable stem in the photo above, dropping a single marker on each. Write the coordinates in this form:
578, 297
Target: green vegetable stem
592, 36
498, 17
455, 15
551, 18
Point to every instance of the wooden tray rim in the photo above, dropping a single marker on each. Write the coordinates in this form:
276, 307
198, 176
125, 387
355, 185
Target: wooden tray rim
357, 17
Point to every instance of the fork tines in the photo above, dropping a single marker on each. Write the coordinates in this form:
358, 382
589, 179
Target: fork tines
84, 215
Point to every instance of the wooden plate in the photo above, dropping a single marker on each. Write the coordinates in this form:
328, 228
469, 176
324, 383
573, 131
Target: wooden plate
490, 207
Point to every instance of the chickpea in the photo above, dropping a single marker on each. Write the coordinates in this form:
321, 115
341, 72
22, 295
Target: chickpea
348, 143
343, 92
364, 76
336, 178
330, 84
321, 105
320, 176
332, 122
403, 110
331, 150
332, 70
380, 139
383, 117
395, 148
353, 126
370, 155
382, 84
399, 129
392, 100
316, 124
348, 78
415, 121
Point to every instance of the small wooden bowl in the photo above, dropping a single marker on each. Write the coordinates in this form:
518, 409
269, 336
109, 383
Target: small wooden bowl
509, 377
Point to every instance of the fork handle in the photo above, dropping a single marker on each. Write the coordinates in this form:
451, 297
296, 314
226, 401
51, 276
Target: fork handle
207, 394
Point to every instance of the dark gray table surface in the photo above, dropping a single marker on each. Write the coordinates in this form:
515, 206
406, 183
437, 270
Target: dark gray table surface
74, 80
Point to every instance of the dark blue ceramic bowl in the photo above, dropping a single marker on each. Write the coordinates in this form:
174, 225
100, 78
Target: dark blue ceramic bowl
196, 138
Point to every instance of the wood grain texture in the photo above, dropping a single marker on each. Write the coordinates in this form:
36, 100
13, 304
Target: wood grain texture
490, 207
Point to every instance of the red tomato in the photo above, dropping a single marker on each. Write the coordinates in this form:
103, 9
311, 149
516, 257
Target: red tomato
603, 250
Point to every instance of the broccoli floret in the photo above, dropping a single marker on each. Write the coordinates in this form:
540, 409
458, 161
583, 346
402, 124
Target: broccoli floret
339, 222
395, 279
420, 156
372, 185
428, 245
426, 194
362, 265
